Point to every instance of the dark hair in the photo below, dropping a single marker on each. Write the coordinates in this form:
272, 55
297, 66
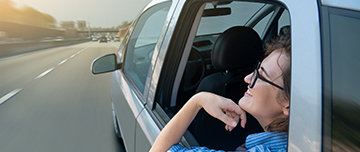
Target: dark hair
283, 43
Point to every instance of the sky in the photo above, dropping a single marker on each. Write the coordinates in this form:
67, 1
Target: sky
100, 13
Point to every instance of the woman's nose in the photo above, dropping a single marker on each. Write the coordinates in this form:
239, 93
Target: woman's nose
248, 77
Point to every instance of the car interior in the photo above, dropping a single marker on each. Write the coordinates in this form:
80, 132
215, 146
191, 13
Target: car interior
227, 45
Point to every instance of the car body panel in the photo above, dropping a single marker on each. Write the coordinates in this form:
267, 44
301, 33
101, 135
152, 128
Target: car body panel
149, 129
142, 142
125, 107
306, 96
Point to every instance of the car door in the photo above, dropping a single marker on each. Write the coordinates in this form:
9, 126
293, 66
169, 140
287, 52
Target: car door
163, 101
129, 85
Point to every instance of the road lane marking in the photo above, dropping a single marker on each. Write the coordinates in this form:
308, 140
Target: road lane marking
115, 45
9, 95
62, 62
44, 73
72, 56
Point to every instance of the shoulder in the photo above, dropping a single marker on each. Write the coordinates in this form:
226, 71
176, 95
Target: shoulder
262, 148
267, 142
180, 148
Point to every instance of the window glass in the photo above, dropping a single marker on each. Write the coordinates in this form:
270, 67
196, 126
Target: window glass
260, 26
345, 120
142, 43
284, 22
241, 12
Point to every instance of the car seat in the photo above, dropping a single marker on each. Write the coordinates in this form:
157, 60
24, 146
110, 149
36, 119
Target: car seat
234, 54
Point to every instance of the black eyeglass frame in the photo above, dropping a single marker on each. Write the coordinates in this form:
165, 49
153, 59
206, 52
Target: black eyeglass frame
257, 75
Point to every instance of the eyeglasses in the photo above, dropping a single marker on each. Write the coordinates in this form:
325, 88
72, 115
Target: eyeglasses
257, 75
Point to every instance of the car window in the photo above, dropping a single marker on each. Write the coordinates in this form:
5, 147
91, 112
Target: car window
192, 52
208, 30
342, 96
142, 43
260, 26
241, 12
283, 21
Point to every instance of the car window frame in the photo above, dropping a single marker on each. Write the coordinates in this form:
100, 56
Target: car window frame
169, 92
124, 49
327, 75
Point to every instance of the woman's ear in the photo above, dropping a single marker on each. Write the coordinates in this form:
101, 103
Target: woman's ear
286, 109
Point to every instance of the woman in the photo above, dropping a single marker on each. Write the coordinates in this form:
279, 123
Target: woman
267, 99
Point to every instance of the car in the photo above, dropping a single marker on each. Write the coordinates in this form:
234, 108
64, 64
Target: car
102, 39
47, 39
168, 52
94, 39
116, 39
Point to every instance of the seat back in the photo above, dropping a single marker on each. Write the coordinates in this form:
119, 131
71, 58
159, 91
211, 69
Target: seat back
234, 54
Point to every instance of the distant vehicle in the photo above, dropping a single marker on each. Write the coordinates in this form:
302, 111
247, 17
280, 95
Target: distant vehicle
116, 39
103, 39
108, 39
59, 38
46, 39
94, 39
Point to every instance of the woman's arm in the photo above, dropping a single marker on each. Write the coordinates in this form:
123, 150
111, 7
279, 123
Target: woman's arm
219, 107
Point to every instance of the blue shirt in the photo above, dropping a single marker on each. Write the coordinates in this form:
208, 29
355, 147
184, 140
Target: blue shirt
260, 142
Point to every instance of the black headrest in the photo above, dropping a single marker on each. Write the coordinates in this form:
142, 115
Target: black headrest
285, 29
236, 48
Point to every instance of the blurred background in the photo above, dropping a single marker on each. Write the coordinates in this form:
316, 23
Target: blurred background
23, 20
49, 99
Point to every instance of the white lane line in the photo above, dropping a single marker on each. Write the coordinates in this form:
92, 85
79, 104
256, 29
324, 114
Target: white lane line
44, 73
115, 45
72, 56
62, 62
9, 95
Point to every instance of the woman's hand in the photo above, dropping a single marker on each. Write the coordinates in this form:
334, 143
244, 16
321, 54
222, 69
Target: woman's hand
219, 107
223, 109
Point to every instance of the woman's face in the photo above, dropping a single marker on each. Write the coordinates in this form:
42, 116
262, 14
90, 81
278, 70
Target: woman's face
262, 100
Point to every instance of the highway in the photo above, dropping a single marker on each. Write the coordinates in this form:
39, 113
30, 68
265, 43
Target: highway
51, 102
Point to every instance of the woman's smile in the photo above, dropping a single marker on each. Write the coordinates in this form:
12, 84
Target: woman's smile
248, 93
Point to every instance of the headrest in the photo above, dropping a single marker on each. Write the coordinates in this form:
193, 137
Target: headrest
236, 48
284, 30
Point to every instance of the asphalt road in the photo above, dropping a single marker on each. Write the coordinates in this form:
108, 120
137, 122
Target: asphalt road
51, 102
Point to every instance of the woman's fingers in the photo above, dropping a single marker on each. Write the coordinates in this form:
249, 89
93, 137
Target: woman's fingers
225, 110
234, 116
243, 119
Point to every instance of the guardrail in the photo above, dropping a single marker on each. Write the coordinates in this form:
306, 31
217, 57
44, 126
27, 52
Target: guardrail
12, 49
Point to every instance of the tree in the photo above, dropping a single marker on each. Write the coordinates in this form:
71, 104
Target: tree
26, 15
125, 24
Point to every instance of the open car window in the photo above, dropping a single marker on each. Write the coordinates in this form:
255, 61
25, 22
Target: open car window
196, 59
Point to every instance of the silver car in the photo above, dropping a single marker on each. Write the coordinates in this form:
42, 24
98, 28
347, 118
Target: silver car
171, 51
